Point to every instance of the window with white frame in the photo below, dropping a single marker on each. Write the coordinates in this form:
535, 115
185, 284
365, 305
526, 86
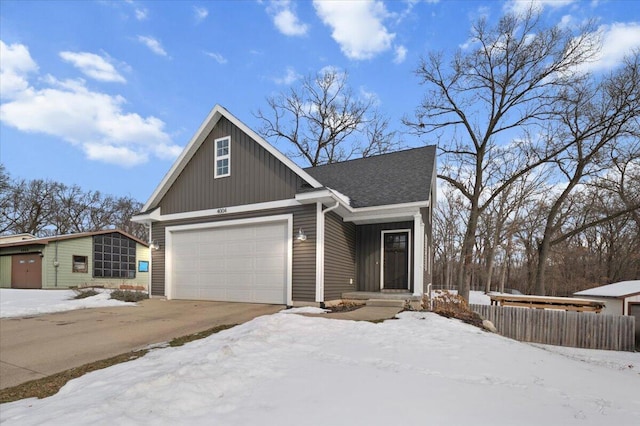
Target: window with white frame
223, 157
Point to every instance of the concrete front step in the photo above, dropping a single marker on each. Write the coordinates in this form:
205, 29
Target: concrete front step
387, 303
366, 295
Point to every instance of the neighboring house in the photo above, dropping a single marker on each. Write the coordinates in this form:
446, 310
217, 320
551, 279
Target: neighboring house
109, 258
621, 298
236, 220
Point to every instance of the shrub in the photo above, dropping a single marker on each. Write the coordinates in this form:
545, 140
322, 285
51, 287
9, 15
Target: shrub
83, 294
129, 296
451, 305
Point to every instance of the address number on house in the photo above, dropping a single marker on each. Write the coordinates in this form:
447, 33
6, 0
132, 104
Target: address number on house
222, 210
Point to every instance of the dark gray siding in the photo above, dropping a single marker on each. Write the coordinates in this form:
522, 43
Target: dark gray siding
157, 260
339, 257
304, 253
368, 253
256, 176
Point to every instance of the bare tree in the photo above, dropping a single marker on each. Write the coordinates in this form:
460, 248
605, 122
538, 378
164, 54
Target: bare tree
447, 235
325, 122
487, 97
5, 199
45, 208
597, 121
503, 216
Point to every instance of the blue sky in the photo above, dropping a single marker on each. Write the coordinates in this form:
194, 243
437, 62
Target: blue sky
104, 94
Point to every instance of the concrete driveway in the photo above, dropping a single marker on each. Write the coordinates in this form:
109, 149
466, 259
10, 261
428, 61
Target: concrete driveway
35, 347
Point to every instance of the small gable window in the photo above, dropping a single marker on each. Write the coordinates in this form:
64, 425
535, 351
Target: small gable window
223, 157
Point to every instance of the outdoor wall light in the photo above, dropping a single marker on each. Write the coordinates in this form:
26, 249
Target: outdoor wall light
301, 235
154, 245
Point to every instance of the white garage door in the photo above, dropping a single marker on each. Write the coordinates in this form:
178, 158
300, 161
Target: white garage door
246, 263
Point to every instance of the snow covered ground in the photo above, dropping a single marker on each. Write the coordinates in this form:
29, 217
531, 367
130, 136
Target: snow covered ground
22, 303
286, 369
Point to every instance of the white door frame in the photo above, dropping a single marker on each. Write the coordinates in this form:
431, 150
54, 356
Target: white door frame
169, 230
409, 260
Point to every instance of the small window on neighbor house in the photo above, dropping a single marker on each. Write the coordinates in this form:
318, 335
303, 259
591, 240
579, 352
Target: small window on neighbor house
80, 264
223, 157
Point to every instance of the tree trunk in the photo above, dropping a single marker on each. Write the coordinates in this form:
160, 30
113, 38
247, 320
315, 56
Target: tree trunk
543, 253
464, 275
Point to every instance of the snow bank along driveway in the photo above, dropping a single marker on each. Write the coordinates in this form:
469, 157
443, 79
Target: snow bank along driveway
22, 303
295, 370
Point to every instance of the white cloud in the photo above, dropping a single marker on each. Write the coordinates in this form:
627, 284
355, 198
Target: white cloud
15, 66
401, 54
93, 66
618, 39
218, 57
357, 26
566, 21
285, 19
92, 121
289, 78
522, 6
141, 14
154, 45
200, 13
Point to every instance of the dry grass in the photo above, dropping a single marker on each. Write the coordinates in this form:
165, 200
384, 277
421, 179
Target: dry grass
50, 385
453, 306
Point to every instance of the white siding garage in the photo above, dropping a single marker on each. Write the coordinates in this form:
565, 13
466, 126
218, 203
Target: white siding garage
231, 261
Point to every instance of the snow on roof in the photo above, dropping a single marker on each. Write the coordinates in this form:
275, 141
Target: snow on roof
621, 289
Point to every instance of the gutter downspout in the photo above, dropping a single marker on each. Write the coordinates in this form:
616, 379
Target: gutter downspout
149, 283
320, 218
56, 265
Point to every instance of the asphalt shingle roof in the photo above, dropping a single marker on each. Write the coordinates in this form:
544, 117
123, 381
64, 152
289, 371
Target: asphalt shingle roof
394, 178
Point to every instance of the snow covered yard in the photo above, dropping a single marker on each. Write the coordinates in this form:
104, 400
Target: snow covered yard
21, 303
291, 369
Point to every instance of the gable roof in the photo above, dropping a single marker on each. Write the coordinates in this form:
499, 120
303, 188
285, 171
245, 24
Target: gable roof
47, 240
394, 178
621, 289
189, 151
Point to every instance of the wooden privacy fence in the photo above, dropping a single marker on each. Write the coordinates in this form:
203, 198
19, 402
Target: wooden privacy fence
563, 328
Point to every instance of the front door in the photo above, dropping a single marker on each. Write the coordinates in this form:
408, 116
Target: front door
26, 271
395, 260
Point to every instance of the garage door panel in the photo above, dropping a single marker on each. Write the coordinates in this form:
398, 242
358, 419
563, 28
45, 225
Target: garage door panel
241, 263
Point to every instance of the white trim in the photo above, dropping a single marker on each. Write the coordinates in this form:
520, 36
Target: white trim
150, 278
152, 216
217, 157
400, 206
409, 259
222, 211
418, 258
203, 131
169, 230
319, 253
381, 217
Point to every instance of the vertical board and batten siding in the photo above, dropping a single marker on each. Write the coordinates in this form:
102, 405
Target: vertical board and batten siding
304, 253
368, 249
339, 257
256, 176
562, 328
